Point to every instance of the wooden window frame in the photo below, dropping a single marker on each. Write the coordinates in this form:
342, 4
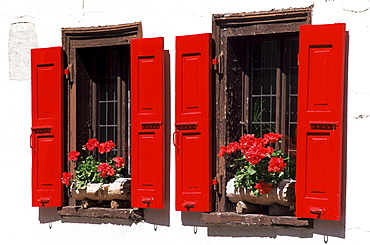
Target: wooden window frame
228, 79
87, 37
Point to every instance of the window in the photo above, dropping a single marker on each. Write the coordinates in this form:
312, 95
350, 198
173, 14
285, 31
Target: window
257, 55
114, 91
99, 85
256, 91
117, 93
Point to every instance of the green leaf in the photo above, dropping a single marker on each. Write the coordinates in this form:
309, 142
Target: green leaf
251, 171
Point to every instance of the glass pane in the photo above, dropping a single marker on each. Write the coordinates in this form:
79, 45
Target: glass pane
263, 86
266, 81
273, 109
102, 114
102, 65
112, 88
266, 109
102, 93
293, 133
109, 71
111, 134
291, 47
293, 81
269, 54
256, 55
293, 109
111, 113
256, 82
257, 109
256, 129
102, 134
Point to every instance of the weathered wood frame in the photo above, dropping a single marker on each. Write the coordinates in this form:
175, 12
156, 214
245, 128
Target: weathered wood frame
87, 37
228, 95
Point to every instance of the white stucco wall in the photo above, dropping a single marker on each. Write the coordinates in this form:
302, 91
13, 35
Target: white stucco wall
37, 23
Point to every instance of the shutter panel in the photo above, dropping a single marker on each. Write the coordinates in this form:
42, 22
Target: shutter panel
192, 137
320, 121
147, 123
47, 127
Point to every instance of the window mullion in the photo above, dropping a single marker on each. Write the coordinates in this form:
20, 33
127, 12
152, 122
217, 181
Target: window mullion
280, 91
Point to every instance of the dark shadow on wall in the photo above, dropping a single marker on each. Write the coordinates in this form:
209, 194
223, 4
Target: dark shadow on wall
192, 219
258, 231
338, 228
48, 215
162, 216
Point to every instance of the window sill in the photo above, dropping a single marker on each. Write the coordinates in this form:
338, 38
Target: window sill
131, 214
234, 219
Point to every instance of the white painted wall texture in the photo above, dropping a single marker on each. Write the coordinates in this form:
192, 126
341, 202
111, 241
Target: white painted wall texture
25, 24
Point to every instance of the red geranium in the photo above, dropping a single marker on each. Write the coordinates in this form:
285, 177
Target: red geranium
272, 137
109, 145
73, 155
222, 151
66, 178
101, 148
90, 168
255, 154
106, 147
91, 144
119, 162
105, 170
259, 163
276, 164
263, 187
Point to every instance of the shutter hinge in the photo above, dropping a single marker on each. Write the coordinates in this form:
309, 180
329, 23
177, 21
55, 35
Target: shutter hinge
67, 72
218, 63
215, 185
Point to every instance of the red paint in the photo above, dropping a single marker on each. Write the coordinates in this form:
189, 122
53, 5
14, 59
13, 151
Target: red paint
47, 126
147, 123
320, 121
192, 137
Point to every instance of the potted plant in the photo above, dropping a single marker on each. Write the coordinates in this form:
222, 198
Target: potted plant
97, 177
263, 174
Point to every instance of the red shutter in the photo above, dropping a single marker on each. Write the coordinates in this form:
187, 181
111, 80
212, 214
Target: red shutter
192, 137
147, 123
47, 127
320, 121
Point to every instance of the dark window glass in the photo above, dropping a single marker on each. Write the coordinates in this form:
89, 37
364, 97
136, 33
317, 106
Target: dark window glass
272, 79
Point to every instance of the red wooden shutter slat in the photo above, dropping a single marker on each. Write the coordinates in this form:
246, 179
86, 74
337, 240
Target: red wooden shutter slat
47, 127
192, 137
147, 123
320, 121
